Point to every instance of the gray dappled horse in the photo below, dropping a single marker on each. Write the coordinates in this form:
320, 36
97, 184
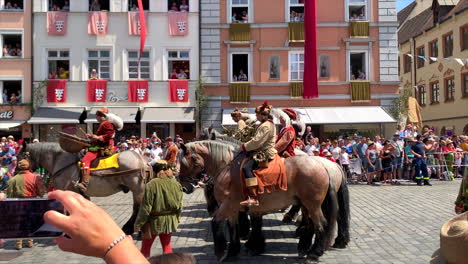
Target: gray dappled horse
64, 173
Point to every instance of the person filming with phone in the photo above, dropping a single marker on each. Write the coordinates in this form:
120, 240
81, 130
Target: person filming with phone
25, 185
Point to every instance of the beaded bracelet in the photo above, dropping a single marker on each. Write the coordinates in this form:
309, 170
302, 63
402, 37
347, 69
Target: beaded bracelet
114, 243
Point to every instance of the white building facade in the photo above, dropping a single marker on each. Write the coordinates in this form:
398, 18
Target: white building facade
114, 56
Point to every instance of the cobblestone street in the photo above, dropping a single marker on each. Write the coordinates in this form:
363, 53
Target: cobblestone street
390, 224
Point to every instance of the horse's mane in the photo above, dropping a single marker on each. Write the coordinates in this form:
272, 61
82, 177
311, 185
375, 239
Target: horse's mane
220, 152
37, 149
228, 139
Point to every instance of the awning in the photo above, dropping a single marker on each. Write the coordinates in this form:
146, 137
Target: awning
6, 125
128, 114
348, 115
227, 119
168, 115
57, 115
328, 115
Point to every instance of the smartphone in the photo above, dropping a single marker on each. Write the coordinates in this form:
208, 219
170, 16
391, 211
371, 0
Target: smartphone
24, 218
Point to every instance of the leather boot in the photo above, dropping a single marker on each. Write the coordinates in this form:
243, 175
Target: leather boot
252, 199
85, 176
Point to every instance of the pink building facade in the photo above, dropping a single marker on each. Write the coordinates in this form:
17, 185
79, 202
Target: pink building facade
15, 68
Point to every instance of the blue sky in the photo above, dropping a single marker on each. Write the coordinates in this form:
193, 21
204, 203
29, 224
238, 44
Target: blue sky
402, 4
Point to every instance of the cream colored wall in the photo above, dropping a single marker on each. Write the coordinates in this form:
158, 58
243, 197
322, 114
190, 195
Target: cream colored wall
439, 71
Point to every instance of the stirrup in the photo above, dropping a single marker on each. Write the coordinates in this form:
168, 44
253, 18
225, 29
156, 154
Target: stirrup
250, 202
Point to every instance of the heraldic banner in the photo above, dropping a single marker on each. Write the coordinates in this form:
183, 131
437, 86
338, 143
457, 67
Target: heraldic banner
97, 23
178, 90
178, 23
96, 90
138, 91
57, 23
134, 25
57, 91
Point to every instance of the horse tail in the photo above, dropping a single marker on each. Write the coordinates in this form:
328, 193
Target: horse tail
330, 210
344, 215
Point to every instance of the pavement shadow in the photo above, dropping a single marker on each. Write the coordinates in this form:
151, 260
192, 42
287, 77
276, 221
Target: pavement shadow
437, 258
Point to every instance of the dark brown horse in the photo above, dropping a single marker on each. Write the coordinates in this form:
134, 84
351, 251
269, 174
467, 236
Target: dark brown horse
308, 180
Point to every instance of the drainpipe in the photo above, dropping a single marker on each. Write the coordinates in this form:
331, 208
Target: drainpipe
197, 109
415, 62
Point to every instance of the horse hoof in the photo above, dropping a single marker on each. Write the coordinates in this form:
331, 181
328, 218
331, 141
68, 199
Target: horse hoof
287, 219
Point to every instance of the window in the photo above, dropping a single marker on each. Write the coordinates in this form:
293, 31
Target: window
59, 5
422, 95
357, 10
12, 45
464, 37
144, 72
239, 11
133, 5
433, 50
99, 61
99, 5
274, 67
449, 90
448, 45
240, 68
324, 66
435, 93
177, 5
358, 66
296, 66
296, 11
11, 92
407, 65
58, 62
178, 64
465, 85
12, 5
421, 55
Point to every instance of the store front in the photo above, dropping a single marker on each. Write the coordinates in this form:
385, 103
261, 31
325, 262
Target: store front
169, 121
12, 121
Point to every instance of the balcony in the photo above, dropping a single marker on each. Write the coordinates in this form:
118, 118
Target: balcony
360, 91
359, 29
239, 32
296, 89
296, 31
239, 92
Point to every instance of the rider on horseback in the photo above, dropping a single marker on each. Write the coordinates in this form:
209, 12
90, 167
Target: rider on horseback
262, 148
102, 141
286, 140
245, 125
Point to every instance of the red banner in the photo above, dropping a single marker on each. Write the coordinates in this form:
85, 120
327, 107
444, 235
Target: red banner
134, 24
97, 23
57, 91
143, 28
178, 90
96, 90
310, 50
57, 23
138, 91
178, 23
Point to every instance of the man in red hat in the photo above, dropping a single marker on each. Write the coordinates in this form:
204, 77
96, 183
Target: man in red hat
286, 140
102, 140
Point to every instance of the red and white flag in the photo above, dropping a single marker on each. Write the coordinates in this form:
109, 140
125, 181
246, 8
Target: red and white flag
138, 91
134, 24
57, 23
96, 90
310, 50
57, 91
97, 23
178, 90
178, 23
142, 18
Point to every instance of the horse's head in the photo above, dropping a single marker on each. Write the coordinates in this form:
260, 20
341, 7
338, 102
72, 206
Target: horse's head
24, 153
192, 165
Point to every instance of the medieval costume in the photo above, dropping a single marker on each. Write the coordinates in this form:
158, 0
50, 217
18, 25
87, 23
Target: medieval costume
171, 153
25, 185
102, 143
261, 148
461, 203
286, 140
245, 125
160, 209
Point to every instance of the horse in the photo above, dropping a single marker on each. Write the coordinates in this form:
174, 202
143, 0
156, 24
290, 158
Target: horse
64, 173
308, 180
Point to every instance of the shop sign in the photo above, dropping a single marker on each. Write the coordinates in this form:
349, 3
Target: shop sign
6, 115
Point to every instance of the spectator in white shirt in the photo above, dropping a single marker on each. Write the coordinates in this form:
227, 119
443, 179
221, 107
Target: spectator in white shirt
344, 160
156, 151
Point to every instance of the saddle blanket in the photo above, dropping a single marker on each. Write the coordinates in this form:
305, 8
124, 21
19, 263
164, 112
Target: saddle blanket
107, 163
272, 178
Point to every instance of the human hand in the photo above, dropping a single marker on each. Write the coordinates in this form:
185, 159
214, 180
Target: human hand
90, 228
2, 196
88, 135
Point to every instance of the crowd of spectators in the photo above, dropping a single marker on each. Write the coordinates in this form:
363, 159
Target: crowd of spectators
242, 17
8, 161
181, 75
406, 155
242, 77
12, 51
12, 7
357, 17
58, 7
182, 7
296, 16
14, 98
359, 76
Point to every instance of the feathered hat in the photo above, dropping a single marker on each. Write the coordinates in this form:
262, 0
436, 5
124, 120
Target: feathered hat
263, 109
114, 119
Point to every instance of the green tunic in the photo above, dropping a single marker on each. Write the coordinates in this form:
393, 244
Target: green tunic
161, 195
